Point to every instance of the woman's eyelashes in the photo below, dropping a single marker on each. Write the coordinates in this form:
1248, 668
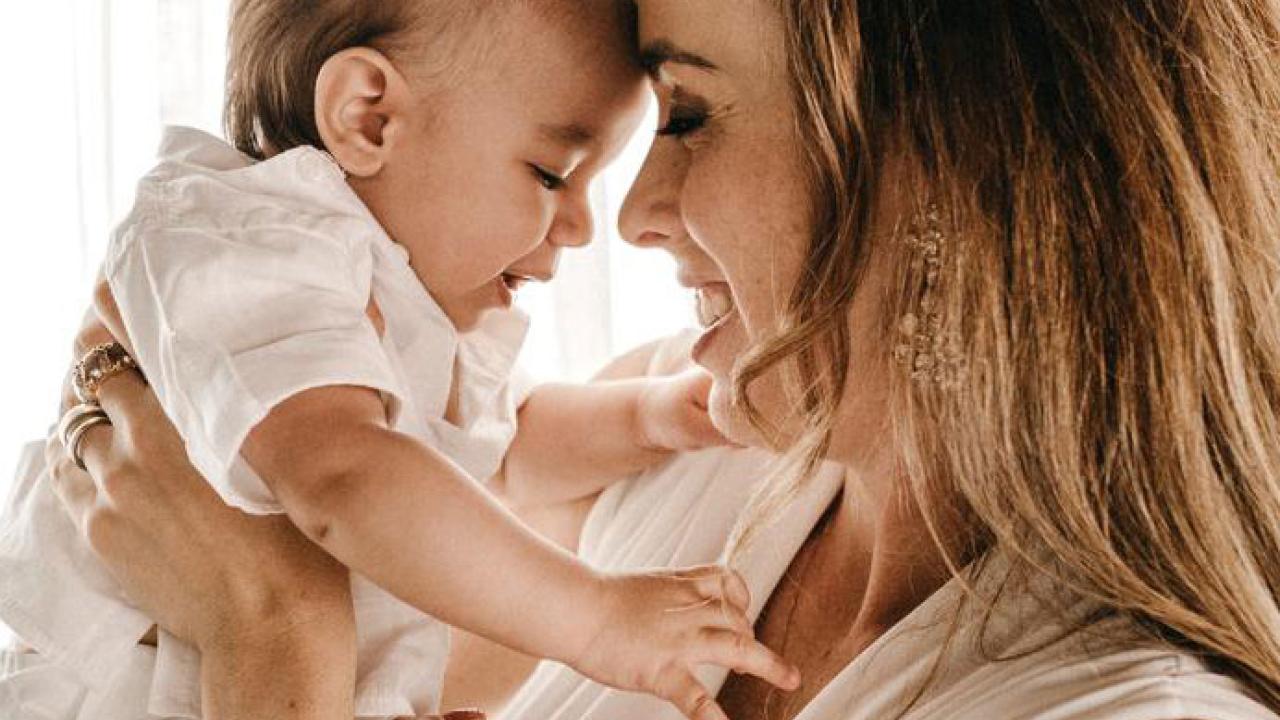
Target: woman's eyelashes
683, 121
687, 115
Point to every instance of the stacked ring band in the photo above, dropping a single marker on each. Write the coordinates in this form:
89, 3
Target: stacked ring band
99, 364
75, 423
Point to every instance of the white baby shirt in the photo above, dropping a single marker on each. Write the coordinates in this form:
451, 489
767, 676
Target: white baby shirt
243, 283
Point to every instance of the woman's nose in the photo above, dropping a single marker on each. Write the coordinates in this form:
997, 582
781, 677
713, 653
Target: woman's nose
650, 214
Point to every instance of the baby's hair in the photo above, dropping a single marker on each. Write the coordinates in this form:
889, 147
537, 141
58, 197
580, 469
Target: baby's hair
277, 47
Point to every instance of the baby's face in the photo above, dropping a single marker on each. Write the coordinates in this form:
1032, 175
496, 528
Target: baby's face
491, 180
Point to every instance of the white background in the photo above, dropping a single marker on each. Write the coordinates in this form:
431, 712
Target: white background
88, 86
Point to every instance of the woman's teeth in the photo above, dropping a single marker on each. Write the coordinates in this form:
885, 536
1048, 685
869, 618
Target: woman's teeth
714, 304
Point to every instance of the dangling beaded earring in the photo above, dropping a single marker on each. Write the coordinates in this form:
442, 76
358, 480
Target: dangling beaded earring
929, 351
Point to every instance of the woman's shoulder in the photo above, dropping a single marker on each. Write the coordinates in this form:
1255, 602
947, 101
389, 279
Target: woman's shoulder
1104, 669
1033, 651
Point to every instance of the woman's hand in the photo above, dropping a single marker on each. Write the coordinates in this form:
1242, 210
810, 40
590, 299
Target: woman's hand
270, 612
194, 563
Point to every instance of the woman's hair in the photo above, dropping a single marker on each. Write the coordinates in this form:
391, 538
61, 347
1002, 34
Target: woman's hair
277, 47
1101, 268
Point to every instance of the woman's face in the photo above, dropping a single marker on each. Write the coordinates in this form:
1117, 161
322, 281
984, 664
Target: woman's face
724, 191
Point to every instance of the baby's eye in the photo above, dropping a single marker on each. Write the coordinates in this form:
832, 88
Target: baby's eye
548, 179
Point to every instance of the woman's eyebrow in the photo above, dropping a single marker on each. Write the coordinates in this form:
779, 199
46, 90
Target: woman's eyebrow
659, 52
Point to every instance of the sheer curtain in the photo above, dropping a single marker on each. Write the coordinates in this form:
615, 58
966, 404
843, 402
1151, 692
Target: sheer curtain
92, 82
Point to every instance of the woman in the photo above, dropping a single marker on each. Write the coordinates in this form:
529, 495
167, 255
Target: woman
1012, 270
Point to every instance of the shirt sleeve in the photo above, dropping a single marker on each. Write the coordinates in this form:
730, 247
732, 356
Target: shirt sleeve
228, 323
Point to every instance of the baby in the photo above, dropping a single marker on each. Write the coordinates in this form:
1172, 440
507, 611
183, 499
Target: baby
323, 310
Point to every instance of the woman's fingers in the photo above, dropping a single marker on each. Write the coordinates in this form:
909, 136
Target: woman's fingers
747, 656
79, 493
74, 487
92, 333
104, 303
123, 397
95, 449
69, 398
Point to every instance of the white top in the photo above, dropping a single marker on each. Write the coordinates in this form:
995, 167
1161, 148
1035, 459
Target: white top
241, 284
681, 514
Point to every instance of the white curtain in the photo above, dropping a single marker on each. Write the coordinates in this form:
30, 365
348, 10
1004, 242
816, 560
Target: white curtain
88, 87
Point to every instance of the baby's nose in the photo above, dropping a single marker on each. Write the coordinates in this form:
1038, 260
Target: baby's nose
574, 227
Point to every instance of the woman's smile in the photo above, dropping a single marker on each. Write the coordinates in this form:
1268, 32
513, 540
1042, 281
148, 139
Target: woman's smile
716, 310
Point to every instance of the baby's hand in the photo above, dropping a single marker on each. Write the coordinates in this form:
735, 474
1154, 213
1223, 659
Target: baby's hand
656, 627
672, 413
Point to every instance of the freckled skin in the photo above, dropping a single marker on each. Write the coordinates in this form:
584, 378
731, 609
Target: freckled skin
725, 193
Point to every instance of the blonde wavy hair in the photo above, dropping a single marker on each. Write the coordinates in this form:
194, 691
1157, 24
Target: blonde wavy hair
1110, 171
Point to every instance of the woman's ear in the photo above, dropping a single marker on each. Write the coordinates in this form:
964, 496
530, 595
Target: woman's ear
361, 106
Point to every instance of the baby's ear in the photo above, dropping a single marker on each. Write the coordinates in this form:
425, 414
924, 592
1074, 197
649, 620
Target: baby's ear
361, 106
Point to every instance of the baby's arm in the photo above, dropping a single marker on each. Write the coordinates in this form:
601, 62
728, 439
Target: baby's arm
574, 440
414, 523
408, 519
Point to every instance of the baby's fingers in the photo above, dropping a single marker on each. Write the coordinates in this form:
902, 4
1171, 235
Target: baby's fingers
682, 689
736, 590
746, 656
701, 432
713, 581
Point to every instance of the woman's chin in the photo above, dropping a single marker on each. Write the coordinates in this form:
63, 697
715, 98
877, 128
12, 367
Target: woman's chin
768, 400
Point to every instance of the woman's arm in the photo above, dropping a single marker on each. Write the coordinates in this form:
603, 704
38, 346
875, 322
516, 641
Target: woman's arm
270, 612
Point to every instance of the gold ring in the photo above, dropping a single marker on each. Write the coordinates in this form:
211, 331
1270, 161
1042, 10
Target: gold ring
74, 423
77, 437
99, 364
75, 416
